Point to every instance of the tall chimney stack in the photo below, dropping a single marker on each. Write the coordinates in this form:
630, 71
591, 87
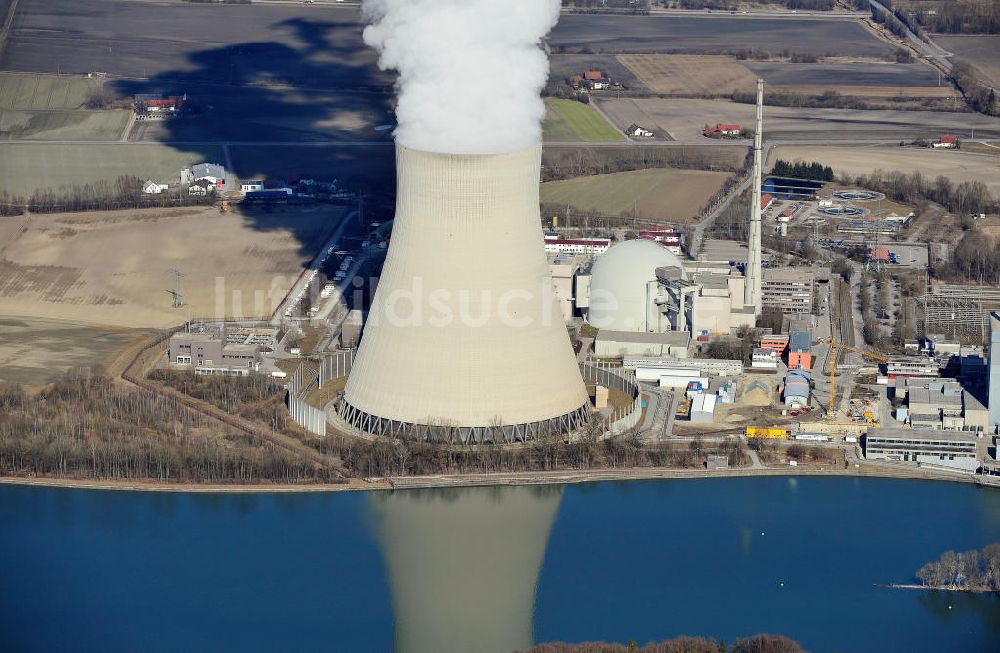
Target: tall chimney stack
753, 287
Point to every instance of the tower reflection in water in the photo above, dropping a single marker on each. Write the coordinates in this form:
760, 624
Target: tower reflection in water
463, 564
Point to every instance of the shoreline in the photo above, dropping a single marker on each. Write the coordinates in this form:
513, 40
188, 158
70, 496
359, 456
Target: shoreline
560, 477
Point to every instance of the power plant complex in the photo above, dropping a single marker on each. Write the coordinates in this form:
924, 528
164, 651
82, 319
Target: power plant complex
466, 337
465, 332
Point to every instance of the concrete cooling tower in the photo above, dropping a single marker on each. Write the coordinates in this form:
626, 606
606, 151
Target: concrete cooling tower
465, 331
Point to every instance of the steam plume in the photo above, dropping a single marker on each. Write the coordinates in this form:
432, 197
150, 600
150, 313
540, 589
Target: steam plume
470, 71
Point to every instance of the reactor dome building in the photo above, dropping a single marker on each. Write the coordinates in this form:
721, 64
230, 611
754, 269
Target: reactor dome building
464, 333
618, 299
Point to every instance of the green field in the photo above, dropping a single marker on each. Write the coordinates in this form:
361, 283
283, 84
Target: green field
30, 166
30, 91
50, 108
609, 194
569, 120
62, 125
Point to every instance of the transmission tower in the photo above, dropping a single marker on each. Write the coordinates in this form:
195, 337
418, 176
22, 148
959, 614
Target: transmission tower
176, 292
874, 263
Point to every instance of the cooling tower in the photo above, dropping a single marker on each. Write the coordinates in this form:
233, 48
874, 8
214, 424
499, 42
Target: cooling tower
464, 330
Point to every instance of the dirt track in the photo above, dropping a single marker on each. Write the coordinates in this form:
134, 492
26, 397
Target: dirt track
684, 120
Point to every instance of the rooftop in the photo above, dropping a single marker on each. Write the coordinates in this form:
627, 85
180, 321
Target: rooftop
675, 338
921, 435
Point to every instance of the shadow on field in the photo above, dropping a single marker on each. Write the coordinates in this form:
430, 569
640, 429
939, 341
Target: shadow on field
304, 105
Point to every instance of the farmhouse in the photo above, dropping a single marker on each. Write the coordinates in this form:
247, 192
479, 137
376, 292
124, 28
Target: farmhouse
596, 80
153, 188
201, 187
946, 141
157, 103
213, 173
723, 130
638, 132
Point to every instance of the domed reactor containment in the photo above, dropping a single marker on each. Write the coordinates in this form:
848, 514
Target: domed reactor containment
464, 339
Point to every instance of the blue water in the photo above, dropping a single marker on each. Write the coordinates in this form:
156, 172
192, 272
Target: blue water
645, 560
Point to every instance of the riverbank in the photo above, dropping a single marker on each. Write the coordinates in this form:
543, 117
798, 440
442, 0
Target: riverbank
935, 588
568, 476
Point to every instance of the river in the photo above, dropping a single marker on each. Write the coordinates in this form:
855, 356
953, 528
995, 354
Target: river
492, 569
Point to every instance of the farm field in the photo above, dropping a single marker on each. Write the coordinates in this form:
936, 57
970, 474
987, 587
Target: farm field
656, 193
958, 166
50, 107
62, 125
690, 74
319, 47
26, 167
262, 72
862, 79
111, 268
713, 35
569, 120
35, 352
982, 51
27, 91
684, 120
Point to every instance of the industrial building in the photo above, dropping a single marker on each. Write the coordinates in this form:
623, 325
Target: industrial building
708, 366
911, 366
788, 289
940, 404
208, 353
640, 287
800, 344
612, 344
934, 448
466, 226
796, 388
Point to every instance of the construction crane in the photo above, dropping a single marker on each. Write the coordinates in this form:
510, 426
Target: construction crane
833, 370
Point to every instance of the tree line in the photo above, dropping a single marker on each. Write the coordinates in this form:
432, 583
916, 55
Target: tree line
952, 17
124, 192
85, 426
683, 644
966, 570
801, 170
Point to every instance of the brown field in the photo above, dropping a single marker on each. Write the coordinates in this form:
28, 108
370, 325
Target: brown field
35, 352
675, 74
980, 50
956, 165
683, 119
111, 268
869, 91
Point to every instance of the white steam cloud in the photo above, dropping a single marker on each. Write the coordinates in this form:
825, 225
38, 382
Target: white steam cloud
470, 71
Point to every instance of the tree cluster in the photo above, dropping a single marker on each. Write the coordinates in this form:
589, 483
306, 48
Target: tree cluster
975, 259
753, 644
85, 426
965, 197
961, 17
966, 570
801, 170
583, 162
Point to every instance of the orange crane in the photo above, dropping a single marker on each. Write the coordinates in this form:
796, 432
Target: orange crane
833, 369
